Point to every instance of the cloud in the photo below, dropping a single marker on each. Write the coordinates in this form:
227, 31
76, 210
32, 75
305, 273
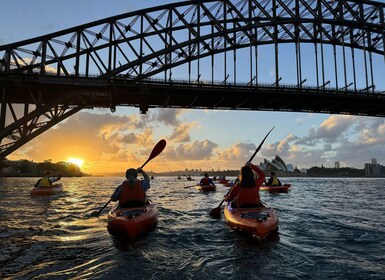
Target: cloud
197, 150
169, 116
182, 132
352, 140
239, 152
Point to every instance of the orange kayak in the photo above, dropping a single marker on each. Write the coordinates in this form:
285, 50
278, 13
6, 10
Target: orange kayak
56, 188
258, 222
132, 221
206, 188
283, 188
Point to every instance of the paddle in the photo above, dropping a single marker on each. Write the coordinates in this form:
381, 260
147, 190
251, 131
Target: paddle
216, 212
159, 147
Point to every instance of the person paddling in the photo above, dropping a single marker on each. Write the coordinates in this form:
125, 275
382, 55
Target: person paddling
206, 181
132, 192
273, 180
47, 180
245, 193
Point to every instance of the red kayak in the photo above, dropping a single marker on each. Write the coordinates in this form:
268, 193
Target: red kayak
257, 222
55, 189
206, 188
277, 189
132, 221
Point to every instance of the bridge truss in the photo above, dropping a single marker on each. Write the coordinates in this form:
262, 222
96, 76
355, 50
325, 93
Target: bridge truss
214, 54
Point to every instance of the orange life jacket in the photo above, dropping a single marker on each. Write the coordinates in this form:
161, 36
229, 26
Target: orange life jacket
132, 193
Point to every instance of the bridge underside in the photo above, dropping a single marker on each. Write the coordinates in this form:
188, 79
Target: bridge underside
112, 92
55, 98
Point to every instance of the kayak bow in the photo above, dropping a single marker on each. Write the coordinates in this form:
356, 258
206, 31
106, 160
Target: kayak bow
132, 221
55, 189
257, 222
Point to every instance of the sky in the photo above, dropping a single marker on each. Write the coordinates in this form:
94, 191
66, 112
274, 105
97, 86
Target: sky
196, 139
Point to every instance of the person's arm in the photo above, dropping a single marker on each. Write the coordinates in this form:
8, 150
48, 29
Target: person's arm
53, 179
145, 176
270, 181
146, 182
115, 196
233, 193
261, 175
37, 184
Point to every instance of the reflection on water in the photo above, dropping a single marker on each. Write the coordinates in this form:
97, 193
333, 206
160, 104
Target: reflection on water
329, 228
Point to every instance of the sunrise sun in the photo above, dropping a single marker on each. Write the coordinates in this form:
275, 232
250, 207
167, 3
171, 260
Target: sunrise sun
76, 161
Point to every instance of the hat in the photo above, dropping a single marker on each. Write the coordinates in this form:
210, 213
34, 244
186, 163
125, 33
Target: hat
131, 172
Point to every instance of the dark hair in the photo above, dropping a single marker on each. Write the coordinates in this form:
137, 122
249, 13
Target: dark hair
272, 173
131, 172
247, 177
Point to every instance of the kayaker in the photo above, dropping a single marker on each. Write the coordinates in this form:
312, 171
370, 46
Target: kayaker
205, 181
273, 180
132, 192
47, 180
245, 193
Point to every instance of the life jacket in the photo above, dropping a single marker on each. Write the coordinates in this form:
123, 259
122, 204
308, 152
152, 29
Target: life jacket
132, 193
205, 181
275, 182
44, 183
247, 196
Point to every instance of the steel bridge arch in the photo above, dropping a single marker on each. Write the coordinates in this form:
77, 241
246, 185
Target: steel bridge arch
351, 24
148, 43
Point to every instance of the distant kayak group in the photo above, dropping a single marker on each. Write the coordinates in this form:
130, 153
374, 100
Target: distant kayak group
134, 213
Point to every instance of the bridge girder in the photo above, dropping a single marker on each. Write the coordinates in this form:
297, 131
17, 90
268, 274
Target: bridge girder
130, 59
151, 41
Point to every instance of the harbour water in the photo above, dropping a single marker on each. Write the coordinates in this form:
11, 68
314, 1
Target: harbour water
329, 229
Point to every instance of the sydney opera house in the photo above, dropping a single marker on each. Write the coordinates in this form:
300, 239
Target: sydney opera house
276, 164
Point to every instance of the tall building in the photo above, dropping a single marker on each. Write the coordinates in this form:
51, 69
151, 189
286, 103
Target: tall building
374, 169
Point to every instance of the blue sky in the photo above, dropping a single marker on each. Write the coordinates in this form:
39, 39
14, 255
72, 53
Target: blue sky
200, 139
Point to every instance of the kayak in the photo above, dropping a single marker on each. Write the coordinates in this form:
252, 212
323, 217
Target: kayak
55, 189
257, 222
132, 221
280, 189
206, 188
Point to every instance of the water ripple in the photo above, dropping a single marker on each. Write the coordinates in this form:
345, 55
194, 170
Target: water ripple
329, 228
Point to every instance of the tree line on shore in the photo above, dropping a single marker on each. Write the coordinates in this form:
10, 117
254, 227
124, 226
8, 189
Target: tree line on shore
28, 168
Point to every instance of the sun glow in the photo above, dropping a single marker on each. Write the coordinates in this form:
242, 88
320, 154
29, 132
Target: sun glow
76, 161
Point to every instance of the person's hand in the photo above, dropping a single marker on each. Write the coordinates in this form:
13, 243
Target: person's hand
140, 170
248, 164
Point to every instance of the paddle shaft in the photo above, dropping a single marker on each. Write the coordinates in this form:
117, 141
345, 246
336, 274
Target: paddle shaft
159, 147
252, 157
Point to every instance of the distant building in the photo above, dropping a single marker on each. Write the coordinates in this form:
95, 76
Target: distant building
374, 169
337, 164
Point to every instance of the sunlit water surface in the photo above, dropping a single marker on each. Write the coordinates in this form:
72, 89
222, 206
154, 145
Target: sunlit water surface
329, 229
